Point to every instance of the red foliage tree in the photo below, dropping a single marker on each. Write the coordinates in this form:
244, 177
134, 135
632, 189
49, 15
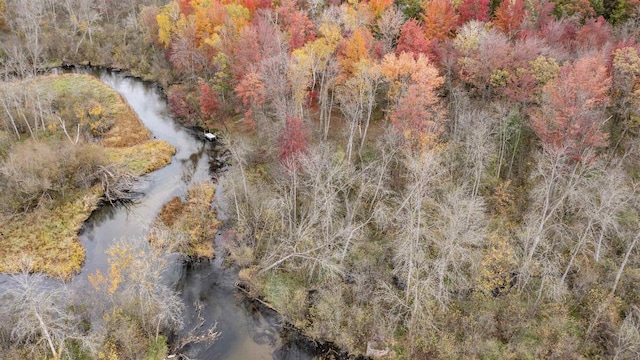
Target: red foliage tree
473, 10
480, 60
521, 84
412, 40
571, 115
541, 13
208, 101
254, 5
182, 106
296, 23
594, 34
246, 54
561, 34
292, 141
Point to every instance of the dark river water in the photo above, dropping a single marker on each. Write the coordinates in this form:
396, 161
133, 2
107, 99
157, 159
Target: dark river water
247, 331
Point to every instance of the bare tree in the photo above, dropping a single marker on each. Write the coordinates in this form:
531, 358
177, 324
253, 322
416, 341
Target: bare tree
239, 149
40, 314
137, 285
473, 131
598, 201
628, 337
631, 246
27, 17
357, 97
83, 16
457, 232
273, 71
412, 260
557, 176
389, 25
27, 106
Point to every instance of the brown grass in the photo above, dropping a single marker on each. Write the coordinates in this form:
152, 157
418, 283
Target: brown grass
170, 211
48, 236
143, 158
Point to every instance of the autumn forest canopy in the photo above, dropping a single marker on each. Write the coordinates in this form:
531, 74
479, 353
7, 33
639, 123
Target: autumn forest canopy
432, 179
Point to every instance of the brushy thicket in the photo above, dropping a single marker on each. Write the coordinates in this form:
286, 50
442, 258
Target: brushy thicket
35, 173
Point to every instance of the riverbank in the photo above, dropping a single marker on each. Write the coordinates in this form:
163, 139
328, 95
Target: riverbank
88, 118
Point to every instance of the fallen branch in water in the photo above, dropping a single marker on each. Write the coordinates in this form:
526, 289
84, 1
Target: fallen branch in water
117, 183
207, 338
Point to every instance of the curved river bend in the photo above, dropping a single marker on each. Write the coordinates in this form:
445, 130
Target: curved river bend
246, 332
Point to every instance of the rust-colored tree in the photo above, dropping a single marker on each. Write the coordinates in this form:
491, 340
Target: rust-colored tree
571, 116
182, 105
510, 15
185, 7
251, 91
246, 54
595, 34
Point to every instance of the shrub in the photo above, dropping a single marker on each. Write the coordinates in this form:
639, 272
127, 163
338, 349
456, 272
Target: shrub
36, 172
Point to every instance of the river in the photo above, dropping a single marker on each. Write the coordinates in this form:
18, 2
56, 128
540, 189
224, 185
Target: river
247, 331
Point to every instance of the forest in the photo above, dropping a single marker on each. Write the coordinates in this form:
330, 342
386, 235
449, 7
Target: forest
409, 179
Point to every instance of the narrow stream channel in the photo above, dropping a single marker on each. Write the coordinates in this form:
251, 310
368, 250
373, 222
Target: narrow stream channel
246, 331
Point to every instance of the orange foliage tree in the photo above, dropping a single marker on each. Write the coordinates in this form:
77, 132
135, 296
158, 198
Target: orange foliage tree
439, 19
416, 109
355, 49
379, 6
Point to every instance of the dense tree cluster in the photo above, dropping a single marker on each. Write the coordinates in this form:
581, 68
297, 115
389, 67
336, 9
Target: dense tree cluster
442, 179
